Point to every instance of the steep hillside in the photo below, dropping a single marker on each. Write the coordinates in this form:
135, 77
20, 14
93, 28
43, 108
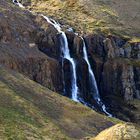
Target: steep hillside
30, 111
19, 36
112, 34
110, 16
119, 132
31, 46
34, 74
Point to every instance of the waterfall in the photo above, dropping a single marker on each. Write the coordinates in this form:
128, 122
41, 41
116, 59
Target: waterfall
66, 55
65, 51
92, 77
18, 3
94, 88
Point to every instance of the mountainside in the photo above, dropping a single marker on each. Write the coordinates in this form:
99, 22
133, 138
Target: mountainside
30, 111
19, 50
111, 31
119, 132
119, 17
93, 56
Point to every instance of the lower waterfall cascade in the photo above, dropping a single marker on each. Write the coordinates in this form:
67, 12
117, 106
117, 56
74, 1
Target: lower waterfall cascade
93, 88
66, 55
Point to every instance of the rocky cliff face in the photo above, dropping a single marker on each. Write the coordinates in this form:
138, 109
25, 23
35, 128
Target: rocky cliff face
119, 132
31, 46
119, 59
116, 66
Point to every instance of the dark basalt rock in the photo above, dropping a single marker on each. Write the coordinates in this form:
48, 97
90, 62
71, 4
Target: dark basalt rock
78, 46
95, 44
33, 47
70, 37
115, 63
75, 44
20, 40
83, 78
48, 40
118, 79
67, 72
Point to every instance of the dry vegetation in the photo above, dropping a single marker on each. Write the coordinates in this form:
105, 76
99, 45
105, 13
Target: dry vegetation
119, 17
119, 132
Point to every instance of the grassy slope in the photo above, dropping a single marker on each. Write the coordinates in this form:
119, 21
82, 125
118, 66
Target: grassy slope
30, 111
119, 17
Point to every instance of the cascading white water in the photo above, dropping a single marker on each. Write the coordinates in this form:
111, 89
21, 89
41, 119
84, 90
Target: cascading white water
65, 51
93, 81
66, 55
18, 3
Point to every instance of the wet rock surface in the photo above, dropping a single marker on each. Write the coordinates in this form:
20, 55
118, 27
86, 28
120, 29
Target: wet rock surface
116, 66
31, 46
119, 132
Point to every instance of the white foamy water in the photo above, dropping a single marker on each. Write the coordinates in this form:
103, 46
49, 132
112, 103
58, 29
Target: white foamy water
18, 3
66, 55
93, 81
65, 50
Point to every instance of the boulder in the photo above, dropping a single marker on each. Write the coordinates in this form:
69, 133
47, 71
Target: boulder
119, 132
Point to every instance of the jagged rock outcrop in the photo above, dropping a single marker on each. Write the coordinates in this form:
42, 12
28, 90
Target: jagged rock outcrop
116, 66
31, 46
31, 111
67, 78
114, 55
83, 79
137, 79
21, 37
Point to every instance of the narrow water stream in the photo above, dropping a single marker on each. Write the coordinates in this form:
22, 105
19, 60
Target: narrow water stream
66, 55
